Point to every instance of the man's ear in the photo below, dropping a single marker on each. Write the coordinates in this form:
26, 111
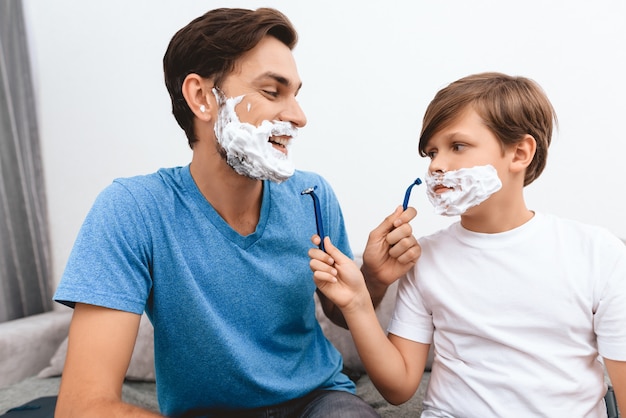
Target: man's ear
195, 91
523, 153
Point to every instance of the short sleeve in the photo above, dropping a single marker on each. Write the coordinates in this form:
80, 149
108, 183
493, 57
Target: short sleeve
109, 264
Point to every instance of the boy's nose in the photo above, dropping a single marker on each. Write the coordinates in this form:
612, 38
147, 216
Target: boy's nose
437, 165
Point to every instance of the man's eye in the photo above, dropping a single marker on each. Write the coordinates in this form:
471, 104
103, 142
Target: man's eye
271, 93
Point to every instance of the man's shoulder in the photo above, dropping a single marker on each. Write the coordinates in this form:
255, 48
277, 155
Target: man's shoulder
141, 190
302, 180
301, 176
158, 179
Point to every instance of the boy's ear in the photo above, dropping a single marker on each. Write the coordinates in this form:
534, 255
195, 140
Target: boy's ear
195, 91
523, 153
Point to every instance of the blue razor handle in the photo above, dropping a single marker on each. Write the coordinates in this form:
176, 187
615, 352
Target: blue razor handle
407, 195
318, 215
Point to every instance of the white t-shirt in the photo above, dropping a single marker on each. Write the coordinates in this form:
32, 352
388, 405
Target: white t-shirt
517, 319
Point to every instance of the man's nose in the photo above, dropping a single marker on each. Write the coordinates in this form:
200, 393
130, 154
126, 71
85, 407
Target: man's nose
293, 113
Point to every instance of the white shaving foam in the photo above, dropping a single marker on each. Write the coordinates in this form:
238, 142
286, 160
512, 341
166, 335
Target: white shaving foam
469, 187
248, 150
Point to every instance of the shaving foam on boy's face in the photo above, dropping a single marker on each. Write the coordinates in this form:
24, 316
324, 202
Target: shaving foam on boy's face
454, 192
248, 149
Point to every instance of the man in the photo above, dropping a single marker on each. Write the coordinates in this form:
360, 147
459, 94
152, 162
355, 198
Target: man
216, 252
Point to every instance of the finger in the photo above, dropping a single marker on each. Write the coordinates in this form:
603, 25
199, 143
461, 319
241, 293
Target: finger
406, 252
315, 239
321, 277
321, 265
401, 232
319, 254
405, 217
334, 252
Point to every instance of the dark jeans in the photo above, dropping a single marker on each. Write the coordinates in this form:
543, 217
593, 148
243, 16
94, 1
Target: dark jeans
317, 404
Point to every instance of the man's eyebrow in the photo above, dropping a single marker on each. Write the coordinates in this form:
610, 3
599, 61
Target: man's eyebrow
279, 79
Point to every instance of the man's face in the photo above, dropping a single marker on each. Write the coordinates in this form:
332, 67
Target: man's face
257, 112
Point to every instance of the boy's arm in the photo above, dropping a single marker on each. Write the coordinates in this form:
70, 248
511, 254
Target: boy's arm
394, 364
617, 373
390, 252
101, 343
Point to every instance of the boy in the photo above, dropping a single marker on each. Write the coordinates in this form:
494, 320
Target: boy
519, 305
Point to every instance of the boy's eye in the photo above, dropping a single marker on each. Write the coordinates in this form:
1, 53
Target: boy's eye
458, 147
431, 154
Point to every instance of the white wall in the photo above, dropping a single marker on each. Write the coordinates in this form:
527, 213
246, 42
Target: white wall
369, 71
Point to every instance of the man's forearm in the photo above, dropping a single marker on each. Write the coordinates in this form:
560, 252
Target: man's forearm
103, 409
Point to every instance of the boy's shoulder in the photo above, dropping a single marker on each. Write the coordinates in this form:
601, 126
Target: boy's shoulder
552, 227
578, 230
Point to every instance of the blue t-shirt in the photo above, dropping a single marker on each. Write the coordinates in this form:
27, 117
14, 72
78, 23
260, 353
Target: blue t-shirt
234, 316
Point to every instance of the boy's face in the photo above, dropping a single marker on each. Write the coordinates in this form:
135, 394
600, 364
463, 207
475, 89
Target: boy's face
465, 143
267, 78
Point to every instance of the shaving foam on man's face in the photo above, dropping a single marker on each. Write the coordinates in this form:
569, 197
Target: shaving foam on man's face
454, 192
248, 148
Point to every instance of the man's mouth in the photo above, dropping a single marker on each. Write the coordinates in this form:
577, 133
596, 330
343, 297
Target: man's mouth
280, 143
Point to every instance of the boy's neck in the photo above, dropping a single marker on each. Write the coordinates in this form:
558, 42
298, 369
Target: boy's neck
496, 220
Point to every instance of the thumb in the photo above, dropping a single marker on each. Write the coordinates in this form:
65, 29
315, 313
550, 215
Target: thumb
387, 225
334, 252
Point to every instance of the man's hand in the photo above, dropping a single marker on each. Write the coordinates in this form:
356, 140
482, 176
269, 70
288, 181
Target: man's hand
391, 251
391, 248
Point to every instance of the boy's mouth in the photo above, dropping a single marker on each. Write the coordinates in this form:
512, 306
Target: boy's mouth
440, 188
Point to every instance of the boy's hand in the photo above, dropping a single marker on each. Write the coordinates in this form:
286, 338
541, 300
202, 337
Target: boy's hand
336, 275
391, 249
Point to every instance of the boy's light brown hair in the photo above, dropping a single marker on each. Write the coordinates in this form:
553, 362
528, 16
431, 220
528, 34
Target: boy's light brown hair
511, 107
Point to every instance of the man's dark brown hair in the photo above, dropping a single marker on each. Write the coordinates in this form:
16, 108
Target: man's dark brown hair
211, 44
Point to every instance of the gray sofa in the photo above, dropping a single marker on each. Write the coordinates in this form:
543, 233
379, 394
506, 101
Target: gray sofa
32, 353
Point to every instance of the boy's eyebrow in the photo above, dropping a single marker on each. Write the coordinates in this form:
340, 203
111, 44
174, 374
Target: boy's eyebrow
279, 79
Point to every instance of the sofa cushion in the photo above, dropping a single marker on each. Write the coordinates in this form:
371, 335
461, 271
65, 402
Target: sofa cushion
141, 366
27, 344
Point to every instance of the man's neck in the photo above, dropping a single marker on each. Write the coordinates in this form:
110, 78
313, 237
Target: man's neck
235, 197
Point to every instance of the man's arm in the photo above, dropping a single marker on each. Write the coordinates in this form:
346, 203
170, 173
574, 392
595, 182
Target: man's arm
101, 343
617, 373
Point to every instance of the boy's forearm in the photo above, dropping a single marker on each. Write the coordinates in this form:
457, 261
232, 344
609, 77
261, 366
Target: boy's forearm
377, 293
382, 360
